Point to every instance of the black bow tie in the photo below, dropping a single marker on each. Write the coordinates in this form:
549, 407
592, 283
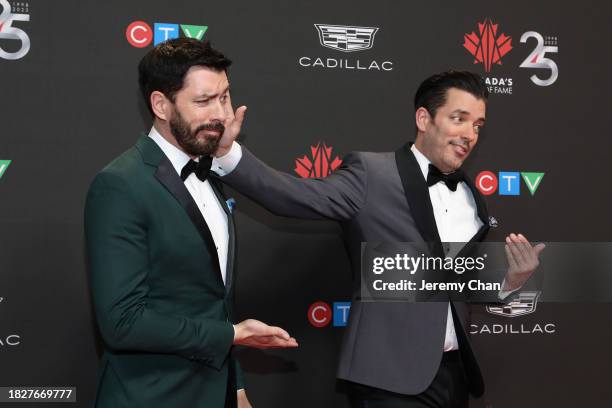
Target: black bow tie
201, 168
451, 180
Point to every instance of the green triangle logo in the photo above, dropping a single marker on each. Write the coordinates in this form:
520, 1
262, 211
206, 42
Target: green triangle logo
532, 180
194, 31
3, 166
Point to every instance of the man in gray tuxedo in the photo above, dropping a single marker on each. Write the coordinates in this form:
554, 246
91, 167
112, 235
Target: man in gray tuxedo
398, 354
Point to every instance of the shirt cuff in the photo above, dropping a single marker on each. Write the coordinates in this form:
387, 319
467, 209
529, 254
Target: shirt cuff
226, 164
503, 293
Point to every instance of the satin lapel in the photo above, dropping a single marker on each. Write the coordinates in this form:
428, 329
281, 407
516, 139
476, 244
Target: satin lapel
167, 176
481, 208
229, 269
417, 195
483, 214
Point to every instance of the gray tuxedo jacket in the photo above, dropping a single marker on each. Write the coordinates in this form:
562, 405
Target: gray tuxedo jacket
380, 197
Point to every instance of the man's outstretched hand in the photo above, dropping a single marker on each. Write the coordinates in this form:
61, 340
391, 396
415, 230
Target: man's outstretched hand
232, 129
243, 401
523, 260
253, 333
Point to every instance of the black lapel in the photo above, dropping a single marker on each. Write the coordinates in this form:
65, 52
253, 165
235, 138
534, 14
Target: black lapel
217, 187
417, 194
481, 206
231, 245
483, 214
167, 176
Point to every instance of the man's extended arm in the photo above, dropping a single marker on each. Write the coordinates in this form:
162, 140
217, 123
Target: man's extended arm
339, 196
116, 239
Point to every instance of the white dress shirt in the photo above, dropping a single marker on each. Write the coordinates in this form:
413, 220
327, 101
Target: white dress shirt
455, 213
203, 195
457, 221
226, 164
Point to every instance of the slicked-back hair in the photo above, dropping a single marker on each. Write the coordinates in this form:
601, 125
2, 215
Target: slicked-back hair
164, 68
433, 91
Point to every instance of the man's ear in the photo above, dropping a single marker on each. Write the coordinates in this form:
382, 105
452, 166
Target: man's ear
160, 105
422, 119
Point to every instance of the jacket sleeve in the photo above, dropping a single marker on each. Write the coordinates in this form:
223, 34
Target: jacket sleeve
118, 261
339, 196
240, 382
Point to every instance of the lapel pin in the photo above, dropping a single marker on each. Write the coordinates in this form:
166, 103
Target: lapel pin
493, 222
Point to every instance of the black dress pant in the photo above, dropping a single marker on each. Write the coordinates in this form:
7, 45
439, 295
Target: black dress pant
448, 390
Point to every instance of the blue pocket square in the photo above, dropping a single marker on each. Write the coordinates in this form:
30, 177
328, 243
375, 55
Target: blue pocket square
231, 203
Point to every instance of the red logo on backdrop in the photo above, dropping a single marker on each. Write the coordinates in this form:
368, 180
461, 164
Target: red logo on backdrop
319, 165
487, 47
139, 34
319, 314
486, 182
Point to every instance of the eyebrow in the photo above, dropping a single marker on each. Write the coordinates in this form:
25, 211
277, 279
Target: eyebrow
464, 112
205, 95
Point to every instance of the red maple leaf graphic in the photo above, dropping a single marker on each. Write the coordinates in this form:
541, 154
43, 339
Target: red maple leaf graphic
486, 47
319, 165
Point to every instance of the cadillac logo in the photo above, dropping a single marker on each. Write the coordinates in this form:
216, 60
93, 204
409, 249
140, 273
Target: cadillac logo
346, 38
525, 304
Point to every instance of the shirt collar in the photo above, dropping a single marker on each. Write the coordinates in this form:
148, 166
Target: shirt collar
177, 157
422, 160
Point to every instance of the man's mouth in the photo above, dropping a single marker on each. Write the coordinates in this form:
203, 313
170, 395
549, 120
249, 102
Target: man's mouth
460, 148
212, 130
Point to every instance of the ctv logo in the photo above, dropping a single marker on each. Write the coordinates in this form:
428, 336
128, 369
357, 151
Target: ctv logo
139, 34
320, 314
4, 164
507, 182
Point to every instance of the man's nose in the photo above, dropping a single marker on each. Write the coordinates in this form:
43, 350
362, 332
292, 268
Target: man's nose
220, 112
470, 134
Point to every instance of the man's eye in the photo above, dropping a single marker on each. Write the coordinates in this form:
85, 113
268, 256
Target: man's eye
202, 101
456, 119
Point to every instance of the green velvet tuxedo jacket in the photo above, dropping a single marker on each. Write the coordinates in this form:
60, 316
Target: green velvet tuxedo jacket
162, 308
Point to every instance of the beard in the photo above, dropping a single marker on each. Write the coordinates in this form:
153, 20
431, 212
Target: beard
188, 139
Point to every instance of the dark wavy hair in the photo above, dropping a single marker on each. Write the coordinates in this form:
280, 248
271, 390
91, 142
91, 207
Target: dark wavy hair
164, 68
432, 92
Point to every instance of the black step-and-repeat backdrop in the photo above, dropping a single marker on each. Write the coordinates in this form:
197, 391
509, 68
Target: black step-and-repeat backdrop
320, 79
